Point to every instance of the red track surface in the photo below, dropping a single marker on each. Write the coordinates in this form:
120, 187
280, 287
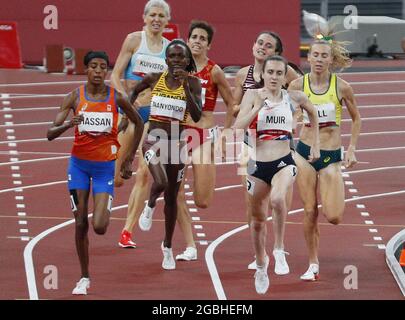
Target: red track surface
137, 274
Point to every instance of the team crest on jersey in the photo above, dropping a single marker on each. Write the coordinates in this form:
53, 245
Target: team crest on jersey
108, 107
84, 106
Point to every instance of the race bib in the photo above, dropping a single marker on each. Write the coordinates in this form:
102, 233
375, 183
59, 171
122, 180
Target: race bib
96, 122
145, 64
326, 113
274, 118
168, 107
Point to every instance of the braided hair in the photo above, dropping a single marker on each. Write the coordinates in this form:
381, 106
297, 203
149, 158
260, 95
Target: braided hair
191, 67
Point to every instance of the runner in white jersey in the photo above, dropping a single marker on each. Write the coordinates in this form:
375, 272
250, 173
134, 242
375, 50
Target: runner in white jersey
268, 113
142, 52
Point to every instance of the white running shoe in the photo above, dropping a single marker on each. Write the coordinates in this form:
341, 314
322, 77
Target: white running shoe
168, 260
262, 281
188, 255
145, 220
81, 286
252, 266
281, 266
312, 274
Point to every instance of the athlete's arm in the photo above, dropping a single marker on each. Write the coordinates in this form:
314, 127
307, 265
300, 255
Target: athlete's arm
346, 92
131, 43
291, 75
192, 88
238, 89
226, 93
134, 116
148, 81
248, 110
302, 100
59, 126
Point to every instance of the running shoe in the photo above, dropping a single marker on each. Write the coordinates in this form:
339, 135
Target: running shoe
81, 287
262, 281
188, 255
312, 273
126, 241
281, 266
168, 260
145, 220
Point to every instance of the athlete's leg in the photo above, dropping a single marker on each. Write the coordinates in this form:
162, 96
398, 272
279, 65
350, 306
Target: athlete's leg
80, 200
174, 178
125, 140
102, 212
307, 186
259, 195
140, 191
281, 184
204, 174
183, 217
332, 192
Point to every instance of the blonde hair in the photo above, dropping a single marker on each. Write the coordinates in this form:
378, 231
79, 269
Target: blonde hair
340, 55
157, 3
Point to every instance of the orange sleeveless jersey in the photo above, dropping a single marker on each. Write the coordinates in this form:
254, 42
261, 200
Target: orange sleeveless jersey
209, 88
96, 136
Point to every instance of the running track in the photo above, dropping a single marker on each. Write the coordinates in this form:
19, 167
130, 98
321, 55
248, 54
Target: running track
37, 233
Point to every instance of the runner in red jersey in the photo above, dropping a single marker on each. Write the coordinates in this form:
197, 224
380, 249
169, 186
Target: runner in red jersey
95, 148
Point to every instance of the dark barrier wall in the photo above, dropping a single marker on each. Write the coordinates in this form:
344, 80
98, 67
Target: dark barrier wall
103, 24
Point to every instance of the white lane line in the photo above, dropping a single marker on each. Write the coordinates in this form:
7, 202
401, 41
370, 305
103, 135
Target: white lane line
35, 84
20, 189
12, 144
23, 230
37, 96
11, 124
192, 210
369, 222
17, 182
30, 109
209, 253
33, 160
364, 214
6, 103
21, 214
10, 137
16, 175
348, 183
196, 218
204, 243
360, 206
22, 222
20, 206
377, 238
10, 130
370, 94
190, 202
353, 190
373, 230
19, 197
198, 226
377, 169
15, 168
201, 235
381, 246
8, 116
39, 139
